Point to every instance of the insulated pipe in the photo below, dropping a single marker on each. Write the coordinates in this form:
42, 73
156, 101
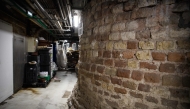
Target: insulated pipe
45, 13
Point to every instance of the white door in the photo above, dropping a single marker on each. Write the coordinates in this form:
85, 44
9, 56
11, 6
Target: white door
6, 61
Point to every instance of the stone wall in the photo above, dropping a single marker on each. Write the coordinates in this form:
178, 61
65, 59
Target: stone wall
134, 54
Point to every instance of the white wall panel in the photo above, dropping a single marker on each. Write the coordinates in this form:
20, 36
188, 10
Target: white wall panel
6, 60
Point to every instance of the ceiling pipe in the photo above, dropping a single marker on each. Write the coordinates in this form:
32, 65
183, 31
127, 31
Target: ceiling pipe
45, 13
58, 22
69, 12
63, 7
36, 11
23, 12
68, 5
63, 17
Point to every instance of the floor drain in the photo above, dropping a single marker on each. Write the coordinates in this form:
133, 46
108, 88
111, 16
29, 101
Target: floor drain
66, 94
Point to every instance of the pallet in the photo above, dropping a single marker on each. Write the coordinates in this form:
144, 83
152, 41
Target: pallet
37, 85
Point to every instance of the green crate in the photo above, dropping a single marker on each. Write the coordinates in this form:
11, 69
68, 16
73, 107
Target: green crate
46, 78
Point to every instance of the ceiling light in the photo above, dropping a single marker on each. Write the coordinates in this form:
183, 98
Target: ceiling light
76, 20
29, 13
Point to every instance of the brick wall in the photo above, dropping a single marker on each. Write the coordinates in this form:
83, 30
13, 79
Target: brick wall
134, 54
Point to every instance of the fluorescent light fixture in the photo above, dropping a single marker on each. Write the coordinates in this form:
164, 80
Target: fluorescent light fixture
76, 21
29, 13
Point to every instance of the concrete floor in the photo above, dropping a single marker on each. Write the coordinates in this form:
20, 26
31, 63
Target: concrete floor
54, 96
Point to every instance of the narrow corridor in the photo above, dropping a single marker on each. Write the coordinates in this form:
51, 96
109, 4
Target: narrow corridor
54, 96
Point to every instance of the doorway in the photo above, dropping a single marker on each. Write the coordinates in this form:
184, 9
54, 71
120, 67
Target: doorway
18, 62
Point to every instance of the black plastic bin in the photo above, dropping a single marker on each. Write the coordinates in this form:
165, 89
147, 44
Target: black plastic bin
31, 73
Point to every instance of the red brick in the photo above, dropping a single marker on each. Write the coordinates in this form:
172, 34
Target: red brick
100, 92
136, 95
186, 81
106, 93
137, 75
108, 62
171, 104
105, 5
183, 68
98, 37
100, 69
144, 12
123, 73
97, 83
141, 106
115, 96
97, 77
116, 54
132, 45
89, 75
94, 89
116, 81
130, 85
128, 6
98, 15
179, 93
93, 68
171, 80
82, 66
176, 57
107, 54
99, 61
151, 99
152, 77
105, 37
128, 54
167, 67
120, 90
145, 34
87, 67
100, 53
113, 104
188, 56
147, 65
81, 71
122, 16
144, 87
105, 79
120, 63
158, 56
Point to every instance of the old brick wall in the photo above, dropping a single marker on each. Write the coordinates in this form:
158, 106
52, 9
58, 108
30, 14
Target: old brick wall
134, 54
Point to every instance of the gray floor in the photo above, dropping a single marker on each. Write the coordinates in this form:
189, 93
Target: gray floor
54, 96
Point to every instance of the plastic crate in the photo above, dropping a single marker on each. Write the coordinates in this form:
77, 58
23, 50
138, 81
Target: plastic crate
45, 59
33, 58
44, 51
46, 78
45, 68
